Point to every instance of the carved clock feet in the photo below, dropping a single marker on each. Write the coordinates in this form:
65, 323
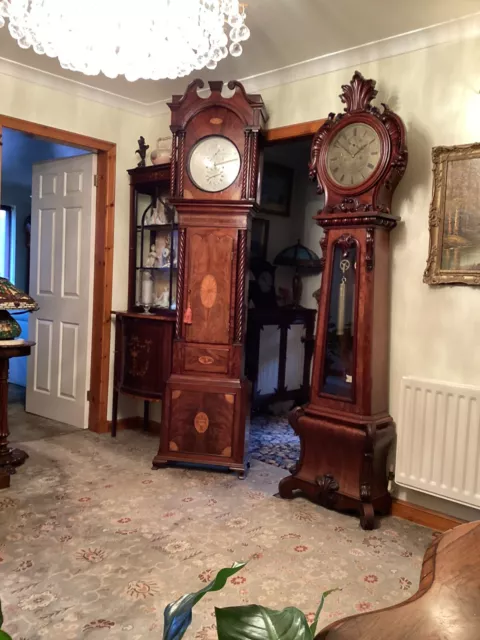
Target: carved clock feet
159, 464
286, 487
367, 516
242, 472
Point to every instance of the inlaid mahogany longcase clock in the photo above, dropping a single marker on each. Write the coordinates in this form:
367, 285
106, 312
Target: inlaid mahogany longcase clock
357, 157
214, 187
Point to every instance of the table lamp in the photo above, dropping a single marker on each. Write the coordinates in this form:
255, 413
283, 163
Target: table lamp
12, 299
304, 260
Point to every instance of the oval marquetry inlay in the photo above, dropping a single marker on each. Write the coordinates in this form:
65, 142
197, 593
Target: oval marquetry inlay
176, 394
216, 120
206, 360
227, 452
230, 398
201, 422
173, 446
208, 291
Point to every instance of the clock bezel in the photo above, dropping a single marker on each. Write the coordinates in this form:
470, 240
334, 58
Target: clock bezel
385, 152
196, 145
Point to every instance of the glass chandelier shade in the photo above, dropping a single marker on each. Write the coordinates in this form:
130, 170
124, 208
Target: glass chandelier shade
12, 299
149, 39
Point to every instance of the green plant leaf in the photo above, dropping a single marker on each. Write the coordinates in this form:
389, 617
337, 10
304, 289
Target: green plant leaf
313, 626
254, 622
5, 636
178, 615
1, 615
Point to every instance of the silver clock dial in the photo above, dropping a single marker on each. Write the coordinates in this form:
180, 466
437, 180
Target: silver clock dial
214, 163
353, 155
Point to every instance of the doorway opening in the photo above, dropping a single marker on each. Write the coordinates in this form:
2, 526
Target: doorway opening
48, 244
20, 154
282, 315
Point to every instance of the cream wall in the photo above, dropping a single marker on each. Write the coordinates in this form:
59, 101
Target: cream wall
434, 330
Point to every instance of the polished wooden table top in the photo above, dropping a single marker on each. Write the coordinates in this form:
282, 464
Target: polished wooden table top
446, 606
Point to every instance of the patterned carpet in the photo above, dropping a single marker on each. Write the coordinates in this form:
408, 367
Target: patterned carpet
272, 440
94, 544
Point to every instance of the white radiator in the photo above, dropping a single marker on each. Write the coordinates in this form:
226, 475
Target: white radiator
438, 439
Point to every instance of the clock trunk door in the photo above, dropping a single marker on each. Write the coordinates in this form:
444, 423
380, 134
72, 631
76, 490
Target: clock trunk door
209, 284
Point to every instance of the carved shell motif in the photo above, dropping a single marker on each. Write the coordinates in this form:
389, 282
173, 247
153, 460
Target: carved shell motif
208, 291
358, 94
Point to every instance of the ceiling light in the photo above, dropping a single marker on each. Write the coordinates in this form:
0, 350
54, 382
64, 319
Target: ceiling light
149, 39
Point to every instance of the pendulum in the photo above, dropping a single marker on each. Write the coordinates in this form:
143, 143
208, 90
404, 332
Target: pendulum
342, 291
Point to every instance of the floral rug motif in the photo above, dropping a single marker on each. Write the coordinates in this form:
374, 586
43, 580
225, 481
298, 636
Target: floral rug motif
272, 440
94, 544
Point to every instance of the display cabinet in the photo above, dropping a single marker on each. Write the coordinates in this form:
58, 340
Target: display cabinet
144, 332
153, 241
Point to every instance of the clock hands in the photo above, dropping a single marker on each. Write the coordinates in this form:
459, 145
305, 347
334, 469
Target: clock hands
344, 148
362, 148
226, 161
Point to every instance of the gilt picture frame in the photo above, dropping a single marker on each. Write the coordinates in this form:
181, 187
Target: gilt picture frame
454, 219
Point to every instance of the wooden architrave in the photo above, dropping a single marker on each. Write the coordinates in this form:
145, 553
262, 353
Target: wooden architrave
103, 257
293, 131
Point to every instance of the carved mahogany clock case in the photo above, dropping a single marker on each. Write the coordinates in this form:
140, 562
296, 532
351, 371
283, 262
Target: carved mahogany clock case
357, 157
214, 186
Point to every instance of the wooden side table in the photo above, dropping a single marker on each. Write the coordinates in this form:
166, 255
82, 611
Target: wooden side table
9, 458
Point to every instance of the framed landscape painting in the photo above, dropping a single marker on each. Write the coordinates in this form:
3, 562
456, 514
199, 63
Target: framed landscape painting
454, 220
277, 184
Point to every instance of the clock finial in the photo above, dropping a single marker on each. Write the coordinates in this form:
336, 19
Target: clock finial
358, 94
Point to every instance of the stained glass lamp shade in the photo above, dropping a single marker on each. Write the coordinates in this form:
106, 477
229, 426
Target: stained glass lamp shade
303, 260
12, 299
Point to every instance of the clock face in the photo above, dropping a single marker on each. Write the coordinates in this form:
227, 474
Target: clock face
214, 163
353, 155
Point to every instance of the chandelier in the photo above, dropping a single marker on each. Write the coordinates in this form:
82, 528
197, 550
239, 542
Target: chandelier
149, 39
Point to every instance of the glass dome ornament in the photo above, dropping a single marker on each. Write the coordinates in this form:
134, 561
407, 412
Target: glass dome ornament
160, 39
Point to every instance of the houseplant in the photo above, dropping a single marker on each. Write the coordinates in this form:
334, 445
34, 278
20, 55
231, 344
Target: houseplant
250, 622
3, 634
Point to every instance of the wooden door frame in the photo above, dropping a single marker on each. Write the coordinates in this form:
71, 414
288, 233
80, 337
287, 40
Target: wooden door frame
293, 131
103, 256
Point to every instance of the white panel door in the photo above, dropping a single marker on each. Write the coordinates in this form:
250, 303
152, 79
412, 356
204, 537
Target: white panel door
61, 281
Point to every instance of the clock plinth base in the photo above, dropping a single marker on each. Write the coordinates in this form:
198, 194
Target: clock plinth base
204, 423
356, 480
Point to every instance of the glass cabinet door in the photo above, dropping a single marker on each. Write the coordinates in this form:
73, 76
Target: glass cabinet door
337, 376
156, 250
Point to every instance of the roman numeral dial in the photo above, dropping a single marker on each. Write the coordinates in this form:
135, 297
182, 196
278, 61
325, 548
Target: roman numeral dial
353, 155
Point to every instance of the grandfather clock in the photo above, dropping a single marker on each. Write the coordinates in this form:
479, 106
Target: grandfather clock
358, 157
214, 187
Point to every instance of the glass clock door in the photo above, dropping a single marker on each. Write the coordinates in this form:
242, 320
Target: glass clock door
338, 364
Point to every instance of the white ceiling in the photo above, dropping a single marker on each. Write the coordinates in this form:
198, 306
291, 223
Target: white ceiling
284, 33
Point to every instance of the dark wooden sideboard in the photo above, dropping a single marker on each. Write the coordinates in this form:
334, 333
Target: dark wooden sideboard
143, 358
282, 319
